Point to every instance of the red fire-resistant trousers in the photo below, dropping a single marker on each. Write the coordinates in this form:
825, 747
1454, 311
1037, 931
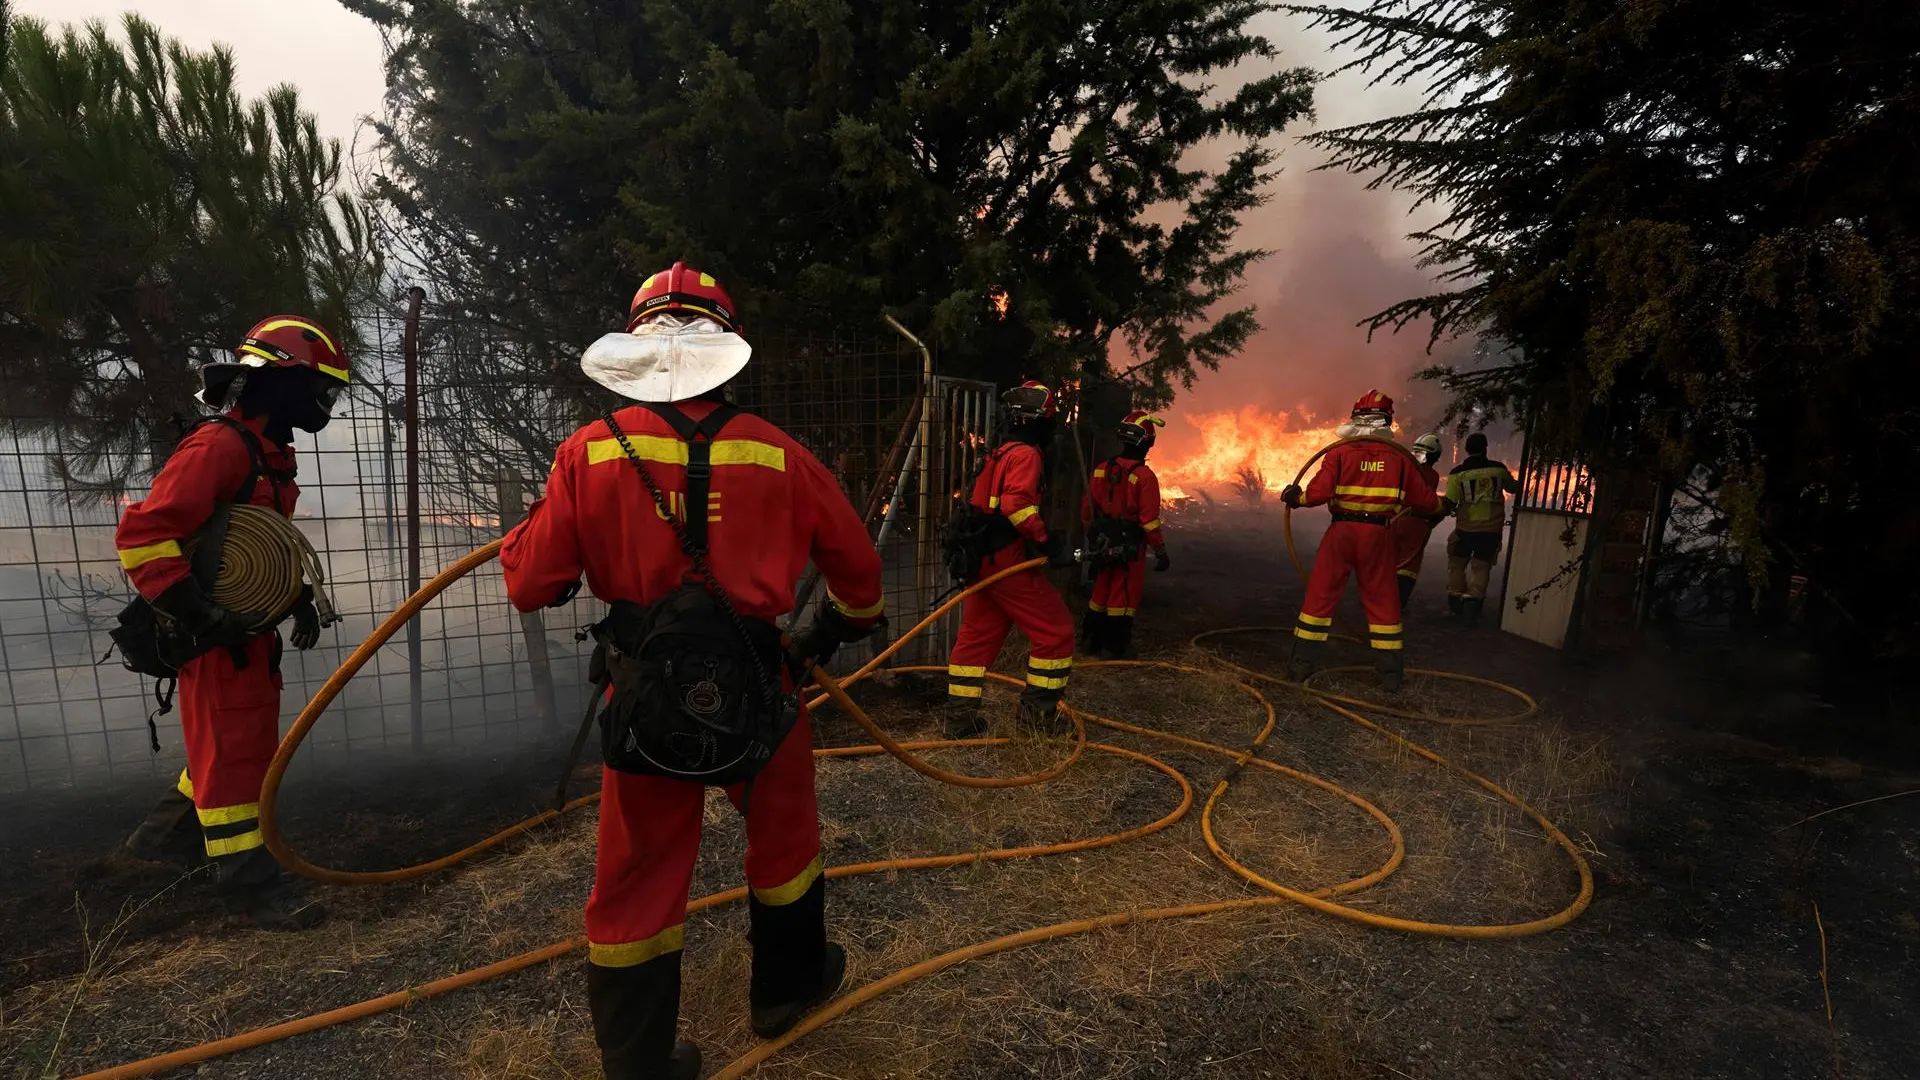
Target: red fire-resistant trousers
1027, 600
1117, 589
230, 717
650, 837
1361, 550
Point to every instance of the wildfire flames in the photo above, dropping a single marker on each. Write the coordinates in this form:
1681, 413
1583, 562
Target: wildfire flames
1217, 450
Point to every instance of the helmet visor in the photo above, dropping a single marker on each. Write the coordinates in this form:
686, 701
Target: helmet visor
1026, 401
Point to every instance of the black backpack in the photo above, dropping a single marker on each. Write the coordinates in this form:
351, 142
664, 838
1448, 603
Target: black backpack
155, 647
1112, 541
697, 691
972, 534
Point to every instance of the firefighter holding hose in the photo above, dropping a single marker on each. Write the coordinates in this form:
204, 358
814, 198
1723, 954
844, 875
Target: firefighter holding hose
1477, 489
694, 520
1122, 515
1005, 502
287, 373
1365, 482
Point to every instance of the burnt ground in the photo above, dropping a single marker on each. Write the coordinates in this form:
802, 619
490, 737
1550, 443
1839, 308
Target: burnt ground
1686, 772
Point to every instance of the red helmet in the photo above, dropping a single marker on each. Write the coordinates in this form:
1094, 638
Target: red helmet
1374, 403
1136, 431
279, 341
1030, 400
680, 288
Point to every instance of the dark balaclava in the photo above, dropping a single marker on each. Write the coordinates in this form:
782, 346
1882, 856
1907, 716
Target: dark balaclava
288, 398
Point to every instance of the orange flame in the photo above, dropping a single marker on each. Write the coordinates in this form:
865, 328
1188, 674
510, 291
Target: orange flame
1211, 449
1000, 299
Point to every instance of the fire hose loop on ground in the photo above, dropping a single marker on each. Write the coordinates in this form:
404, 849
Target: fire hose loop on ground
1322, 900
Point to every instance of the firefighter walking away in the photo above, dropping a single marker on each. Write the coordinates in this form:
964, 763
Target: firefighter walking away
1411, 530
991, 532
694, 520
287, 373
1477, 488
1364, 483
1122, 515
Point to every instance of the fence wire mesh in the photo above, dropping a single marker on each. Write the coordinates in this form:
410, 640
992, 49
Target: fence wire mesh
486, 432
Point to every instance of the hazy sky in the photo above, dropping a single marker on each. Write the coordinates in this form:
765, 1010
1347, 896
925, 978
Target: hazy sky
1339, 249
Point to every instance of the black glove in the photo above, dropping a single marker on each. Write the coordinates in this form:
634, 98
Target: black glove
206, 622
1291, 496
830, 630
1057, 553
1161, 560
566, 595
306, 621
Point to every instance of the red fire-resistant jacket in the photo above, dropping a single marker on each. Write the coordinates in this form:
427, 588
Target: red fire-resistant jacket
771, 507
1368, 477
209, 466
1127, 489
1009, 485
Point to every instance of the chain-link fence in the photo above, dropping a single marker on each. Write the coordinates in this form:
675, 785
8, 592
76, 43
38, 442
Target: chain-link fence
485, 433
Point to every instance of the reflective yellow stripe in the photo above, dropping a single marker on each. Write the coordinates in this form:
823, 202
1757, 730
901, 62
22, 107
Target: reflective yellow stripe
782, 895
1309, 635
233, 845
301, 324
1388, 643
1410, 574
857, 613
1378, 628
185, 785
1133, 478
1051, 665
1100, 473
130, 558
1046, 682
1096, 608
1151, 525
1123, 611
1022, 514
1315, 620
1365, 508
962, 671
227, 815
956, 690
631, 953
993, 502
337, 372
1385, 493
671, 451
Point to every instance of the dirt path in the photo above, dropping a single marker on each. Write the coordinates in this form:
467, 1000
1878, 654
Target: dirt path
1698, 958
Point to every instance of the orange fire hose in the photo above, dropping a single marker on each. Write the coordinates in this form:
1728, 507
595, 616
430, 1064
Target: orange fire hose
1320, 900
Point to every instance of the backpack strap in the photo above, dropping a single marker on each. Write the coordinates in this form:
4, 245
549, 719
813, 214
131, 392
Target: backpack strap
206, 557
699, 438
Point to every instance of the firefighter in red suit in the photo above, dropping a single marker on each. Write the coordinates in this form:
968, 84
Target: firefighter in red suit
1410, 530
1365, 484
771, 508
287, 373
1125, 493
1009, 485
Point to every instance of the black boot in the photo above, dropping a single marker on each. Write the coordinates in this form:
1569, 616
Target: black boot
1390, 667
1093, 632
962, 719
636, 1014
795, 967
1406, 591
1456, 604
1305, 659
1040, 713
1119, 643
1473, 606
170, 834
252, 885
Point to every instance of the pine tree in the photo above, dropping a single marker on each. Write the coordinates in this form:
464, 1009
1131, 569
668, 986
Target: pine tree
1692, 229
830, 158
150, 217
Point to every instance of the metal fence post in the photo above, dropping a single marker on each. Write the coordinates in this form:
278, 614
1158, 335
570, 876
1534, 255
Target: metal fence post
410, 351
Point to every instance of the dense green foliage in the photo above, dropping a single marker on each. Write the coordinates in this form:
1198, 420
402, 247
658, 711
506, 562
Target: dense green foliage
150, 217
831, 158
1693, 226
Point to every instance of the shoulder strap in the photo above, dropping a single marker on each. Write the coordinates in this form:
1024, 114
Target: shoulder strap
699, 439
256, 457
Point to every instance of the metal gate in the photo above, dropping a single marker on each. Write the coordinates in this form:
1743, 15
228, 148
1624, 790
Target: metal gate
1544, 561
956, 431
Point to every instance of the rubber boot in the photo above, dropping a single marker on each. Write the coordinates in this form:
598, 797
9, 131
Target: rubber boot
1390, 667
1093, 632
1040, 714
170, 834
961, 718
795, 967
636, 1013
252, 885
1406, 590
1119, 643
1473, 605
1305, 659
1456, 604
